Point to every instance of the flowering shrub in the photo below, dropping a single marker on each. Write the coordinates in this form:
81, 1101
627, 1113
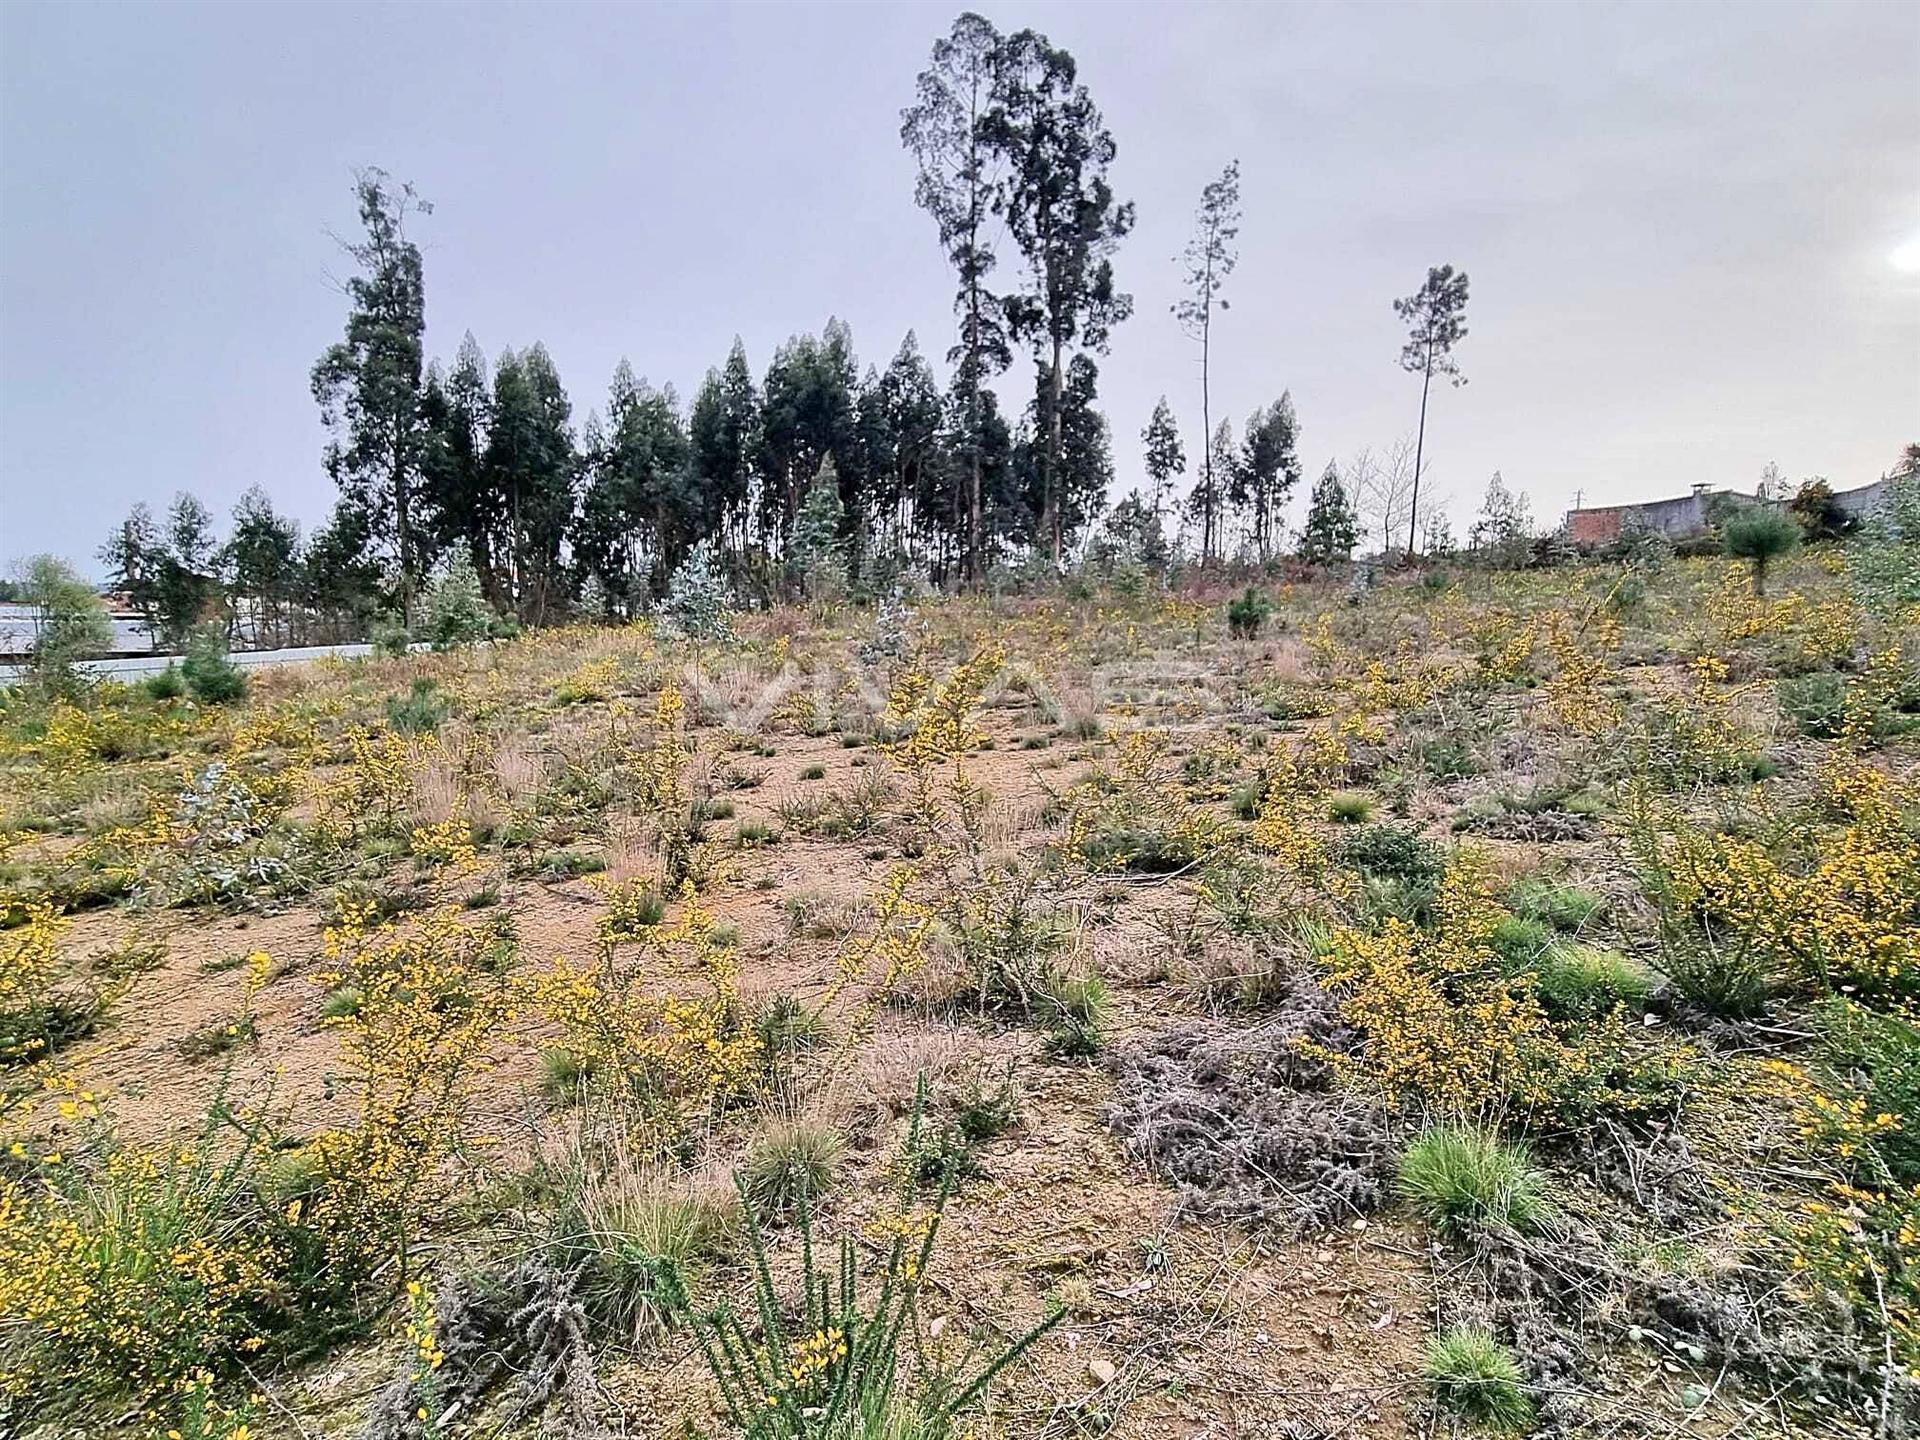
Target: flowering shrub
153, 1272
594, 681
447, 845
35, 1015
892, 945
673, 1058
1858, 1239
655, 768
1444, 1023
1812, 902
1577, 695
1294, 788
1137, 817
431, 997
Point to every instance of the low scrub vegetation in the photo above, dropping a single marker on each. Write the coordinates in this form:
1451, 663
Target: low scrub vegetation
527, 999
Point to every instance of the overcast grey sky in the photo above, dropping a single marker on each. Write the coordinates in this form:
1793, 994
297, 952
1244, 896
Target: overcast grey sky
1680, 222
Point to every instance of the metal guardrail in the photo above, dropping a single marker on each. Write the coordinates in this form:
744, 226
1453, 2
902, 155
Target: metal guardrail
135, 667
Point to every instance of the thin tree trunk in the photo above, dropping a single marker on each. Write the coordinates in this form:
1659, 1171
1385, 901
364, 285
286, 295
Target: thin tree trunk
976, 559
400, 524
1419, 446
976, 544
1206, 415
519, 558
1050, 515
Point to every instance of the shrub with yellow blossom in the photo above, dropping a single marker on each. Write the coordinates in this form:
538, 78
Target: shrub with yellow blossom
1137, 817
674, 1058
431, 1000
35, 1015
1812, 902
154, 1272
1445, 1024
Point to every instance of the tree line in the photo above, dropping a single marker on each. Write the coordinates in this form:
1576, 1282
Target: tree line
482, 458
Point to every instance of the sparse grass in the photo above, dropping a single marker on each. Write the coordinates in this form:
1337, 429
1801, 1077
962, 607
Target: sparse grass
843, 812
563, 1074
569, 865
1477, 1378
130, 958
643, 1243
421, 711
1078, 1010
1815, 705
633, 907
786, 1027
987, 1105
217, 1038
752, 834
1457, 1176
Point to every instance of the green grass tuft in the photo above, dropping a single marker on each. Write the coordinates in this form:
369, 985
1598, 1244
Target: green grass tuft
1473, 1375
1455, 1176
789, 1164
1351, 807
1578, 979
1564, 907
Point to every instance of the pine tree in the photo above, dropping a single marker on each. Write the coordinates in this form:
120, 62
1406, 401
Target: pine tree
1436, 316
341, 579
818, 551
132, 556
1332, 528
977, 421
1059, 500
647, 464
187, 579
1210, 258
457, 612
1166, 460
904, 440
604, 536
